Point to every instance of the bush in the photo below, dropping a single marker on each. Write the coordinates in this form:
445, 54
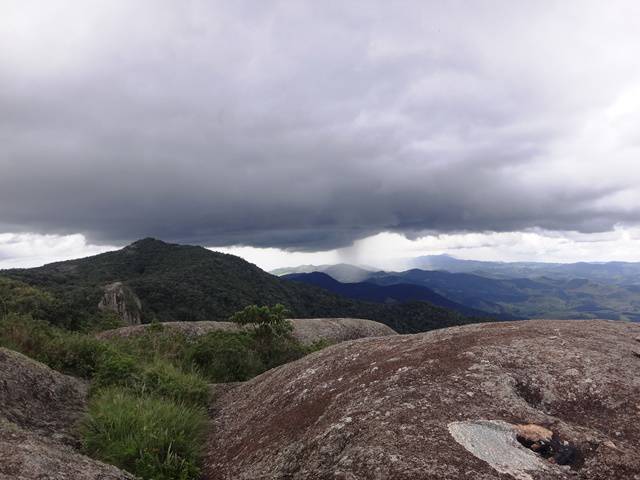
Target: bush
19, 298
148, 436
265, 321
105, 320
225, 356
75, 354
155, 342
164, 379
272, 334
25, 335
117, 369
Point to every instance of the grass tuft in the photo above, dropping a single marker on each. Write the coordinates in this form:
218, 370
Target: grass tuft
149, 436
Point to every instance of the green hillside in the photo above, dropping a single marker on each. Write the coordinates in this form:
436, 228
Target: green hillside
189, 283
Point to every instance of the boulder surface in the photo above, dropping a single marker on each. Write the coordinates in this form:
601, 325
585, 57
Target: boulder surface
39, 414
528, 400
27, 456
307, 330
39, 399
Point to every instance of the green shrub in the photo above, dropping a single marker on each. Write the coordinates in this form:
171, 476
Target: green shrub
164, 379
148, 436
264, 321
225, 356
105, 320
19, 298
117, 369
75, 353
155, 342
22, 333
69, 352
271, 332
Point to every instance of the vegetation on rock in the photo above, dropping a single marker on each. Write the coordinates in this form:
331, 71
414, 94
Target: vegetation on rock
149, 392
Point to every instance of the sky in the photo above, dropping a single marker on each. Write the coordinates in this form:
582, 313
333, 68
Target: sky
315, 132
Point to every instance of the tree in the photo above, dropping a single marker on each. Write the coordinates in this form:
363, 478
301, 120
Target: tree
272, 333
265, 321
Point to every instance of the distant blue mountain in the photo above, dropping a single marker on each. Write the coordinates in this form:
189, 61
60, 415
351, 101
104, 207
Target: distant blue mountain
538, 297
343, 272
504, 290
620, 273
393, 293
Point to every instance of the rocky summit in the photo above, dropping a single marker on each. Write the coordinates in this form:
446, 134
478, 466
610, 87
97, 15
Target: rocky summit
522, 400
39, 414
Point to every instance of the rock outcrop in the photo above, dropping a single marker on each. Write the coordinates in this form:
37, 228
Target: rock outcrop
307, 330
336, 330
39, 399
526, 400
27, 456
39, 412
121, 300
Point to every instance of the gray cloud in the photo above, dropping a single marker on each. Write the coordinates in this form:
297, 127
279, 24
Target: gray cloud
307, 125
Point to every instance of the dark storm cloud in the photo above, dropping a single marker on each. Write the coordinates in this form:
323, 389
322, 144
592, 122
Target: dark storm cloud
307, 125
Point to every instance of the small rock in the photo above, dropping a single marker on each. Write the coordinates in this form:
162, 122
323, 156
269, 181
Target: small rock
532, 433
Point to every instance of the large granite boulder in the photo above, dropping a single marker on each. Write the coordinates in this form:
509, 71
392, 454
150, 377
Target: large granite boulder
307, 330
39, 399
25, 455
525, 400
39, 414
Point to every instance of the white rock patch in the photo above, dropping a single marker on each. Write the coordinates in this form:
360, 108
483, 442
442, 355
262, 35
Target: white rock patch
495, 442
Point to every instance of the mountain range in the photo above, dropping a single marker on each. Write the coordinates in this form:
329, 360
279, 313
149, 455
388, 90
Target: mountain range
619, 273
151, 280
342, 272
506, 290
387, 294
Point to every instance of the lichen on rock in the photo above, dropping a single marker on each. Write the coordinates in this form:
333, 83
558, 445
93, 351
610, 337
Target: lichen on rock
401, 393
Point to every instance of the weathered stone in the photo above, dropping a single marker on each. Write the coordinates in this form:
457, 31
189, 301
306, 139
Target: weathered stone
27, 456
307, 330
380, 408
39, 414
39, 399
533, 433
121, 300
495, 443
